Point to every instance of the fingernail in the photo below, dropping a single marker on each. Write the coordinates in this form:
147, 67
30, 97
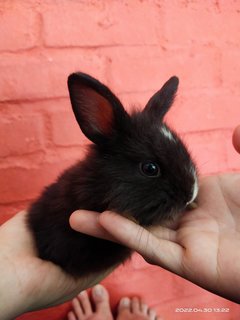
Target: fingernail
125, 302
98, 290
108, 211
78, 211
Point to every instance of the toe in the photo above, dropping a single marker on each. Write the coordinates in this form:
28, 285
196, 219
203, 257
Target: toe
86, 307
77, 309
71, 316
101, 299
124, 309
136, 305
152, 314
144, 308
124, 304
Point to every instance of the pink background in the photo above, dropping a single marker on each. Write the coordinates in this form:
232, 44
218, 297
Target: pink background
134, 47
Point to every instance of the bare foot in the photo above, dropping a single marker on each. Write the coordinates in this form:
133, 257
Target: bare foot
83, 310
135, 309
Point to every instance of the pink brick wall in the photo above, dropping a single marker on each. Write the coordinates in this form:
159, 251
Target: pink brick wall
132, 46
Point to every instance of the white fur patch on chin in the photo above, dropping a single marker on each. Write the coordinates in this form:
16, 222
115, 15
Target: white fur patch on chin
195, 186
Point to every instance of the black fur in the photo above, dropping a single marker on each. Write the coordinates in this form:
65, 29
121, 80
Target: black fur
109, 177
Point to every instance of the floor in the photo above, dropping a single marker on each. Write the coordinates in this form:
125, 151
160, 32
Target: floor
172, 296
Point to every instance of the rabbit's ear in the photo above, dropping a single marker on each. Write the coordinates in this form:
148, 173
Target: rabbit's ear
162, 100
98, 111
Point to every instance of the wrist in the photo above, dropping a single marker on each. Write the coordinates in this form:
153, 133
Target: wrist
12, 298
10, 308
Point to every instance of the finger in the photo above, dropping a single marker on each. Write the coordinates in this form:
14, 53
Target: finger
164, 253
163, 233
87, 222
236, 139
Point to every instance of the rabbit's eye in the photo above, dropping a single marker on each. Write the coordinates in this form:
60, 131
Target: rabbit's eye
150, 169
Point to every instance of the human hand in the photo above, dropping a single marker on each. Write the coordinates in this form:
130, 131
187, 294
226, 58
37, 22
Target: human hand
28, 283
203, 247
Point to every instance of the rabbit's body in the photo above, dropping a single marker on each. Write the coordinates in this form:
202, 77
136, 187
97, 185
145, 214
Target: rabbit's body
136, 165
76, 253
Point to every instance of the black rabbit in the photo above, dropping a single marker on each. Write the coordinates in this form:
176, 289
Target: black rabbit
135, 166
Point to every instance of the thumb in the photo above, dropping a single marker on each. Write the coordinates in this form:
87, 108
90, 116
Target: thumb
236, 139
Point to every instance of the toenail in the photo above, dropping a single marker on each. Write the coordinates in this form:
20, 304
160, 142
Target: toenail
125, 302
152, 313
98, 290
82, 293
144, 307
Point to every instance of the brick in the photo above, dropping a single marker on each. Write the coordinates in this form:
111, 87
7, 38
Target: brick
61, 128
149, 288
209, 149
138, 262
9, 210
21, 134
197, 23
198, 110
135, 100
233, 158
44, 75
229, 6
65, 130
140, 69
204, 110
10, 108
22, 184
6, 213
19, 26
51, 155
230, 70
101, 23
